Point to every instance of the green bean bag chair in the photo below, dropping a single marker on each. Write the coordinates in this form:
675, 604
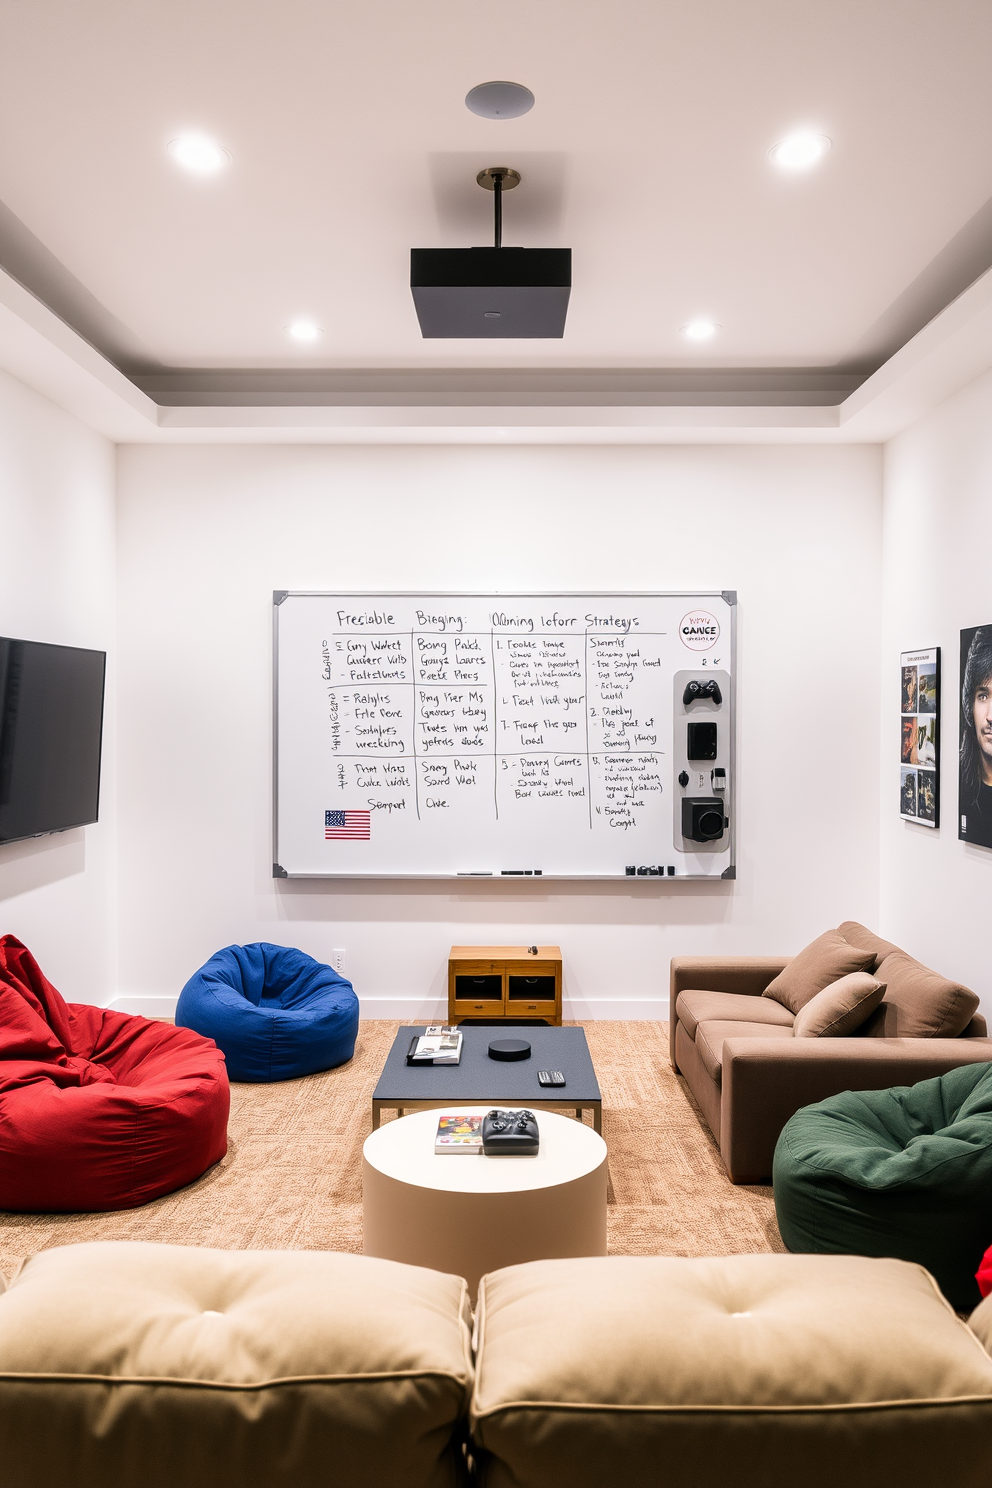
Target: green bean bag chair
904, 1173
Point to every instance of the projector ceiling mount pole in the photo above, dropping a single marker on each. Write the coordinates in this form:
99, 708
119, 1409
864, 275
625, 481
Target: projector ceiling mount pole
497, 179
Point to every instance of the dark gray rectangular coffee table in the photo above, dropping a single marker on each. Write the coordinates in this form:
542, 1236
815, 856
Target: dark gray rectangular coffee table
481, 1081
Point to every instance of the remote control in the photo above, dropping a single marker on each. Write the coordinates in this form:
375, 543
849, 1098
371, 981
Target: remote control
550, 1077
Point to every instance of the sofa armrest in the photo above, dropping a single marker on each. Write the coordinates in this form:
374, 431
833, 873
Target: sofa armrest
748, 975
766, 1081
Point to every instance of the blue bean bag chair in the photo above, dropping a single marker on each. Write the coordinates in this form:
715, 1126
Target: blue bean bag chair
274, 1011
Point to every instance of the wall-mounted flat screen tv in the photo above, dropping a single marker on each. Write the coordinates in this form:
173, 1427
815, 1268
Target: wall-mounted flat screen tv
51, 729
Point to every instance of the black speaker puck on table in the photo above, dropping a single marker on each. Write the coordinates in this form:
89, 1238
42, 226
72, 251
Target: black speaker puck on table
507, 1049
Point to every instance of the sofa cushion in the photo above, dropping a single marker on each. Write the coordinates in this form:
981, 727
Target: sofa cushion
918, 1002
866, 940
980, 1321
699, 1007
700, 1373
825, 960
840, 1008
710, 1038
166, 1365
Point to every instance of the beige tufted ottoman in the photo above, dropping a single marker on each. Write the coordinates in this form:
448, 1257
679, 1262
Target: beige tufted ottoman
755, 1371
162, 1366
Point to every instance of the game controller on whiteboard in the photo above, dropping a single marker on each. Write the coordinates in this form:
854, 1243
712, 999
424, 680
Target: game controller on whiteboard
697, 691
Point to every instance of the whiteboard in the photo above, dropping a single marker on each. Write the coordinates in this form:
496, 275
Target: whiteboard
501, 735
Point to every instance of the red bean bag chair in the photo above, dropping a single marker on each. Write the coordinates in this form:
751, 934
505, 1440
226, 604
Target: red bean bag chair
98, 1110
984, 1273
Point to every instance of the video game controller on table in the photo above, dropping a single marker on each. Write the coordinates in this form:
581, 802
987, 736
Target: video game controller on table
696, 691
510, 1134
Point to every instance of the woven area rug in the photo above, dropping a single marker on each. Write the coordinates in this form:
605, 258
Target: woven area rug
292, 1176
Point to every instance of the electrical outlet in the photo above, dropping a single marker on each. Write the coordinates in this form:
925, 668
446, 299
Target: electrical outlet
337, 960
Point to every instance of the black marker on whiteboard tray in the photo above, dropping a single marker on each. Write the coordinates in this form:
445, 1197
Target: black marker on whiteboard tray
521, 872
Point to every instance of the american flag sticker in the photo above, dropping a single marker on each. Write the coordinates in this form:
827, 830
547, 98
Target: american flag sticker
347, 826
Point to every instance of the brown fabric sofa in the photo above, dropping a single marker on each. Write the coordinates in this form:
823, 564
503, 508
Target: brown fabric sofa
749, 1074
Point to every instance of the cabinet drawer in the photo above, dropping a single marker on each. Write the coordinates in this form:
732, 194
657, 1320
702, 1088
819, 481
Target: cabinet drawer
478, 987
535, 988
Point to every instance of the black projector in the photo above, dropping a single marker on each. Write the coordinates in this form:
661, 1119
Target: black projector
499, 293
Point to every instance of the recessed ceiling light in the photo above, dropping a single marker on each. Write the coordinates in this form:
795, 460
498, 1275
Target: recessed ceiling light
799, 151
700, 330
304, 330
197, 153
499, 100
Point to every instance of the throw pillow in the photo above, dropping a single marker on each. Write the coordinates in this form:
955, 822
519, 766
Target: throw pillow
919, 1003
840, 1008
866, 940
825, 960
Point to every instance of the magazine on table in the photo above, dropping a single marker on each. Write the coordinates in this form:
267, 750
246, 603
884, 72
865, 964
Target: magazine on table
462, 1133
438, 1045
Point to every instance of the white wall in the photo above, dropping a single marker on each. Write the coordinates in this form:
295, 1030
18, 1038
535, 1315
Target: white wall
935, 890
206, 533
57, 583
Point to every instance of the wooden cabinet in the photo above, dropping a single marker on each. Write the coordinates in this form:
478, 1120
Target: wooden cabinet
492, 982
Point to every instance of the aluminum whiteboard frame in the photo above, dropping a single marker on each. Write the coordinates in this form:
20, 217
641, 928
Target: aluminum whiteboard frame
729, 597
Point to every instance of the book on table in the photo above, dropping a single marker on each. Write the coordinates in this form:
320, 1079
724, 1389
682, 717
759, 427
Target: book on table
438, 1045
462, 1133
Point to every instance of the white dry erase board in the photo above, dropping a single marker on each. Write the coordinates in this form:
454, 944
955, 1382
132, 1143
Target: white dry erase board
571, 735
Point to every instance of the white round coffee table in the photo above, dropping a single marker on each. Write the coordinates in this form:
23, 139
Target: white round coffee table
473, 1214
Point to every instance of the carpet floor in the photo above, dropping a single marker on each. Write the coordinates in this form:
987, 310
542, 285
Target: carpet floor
292, 1177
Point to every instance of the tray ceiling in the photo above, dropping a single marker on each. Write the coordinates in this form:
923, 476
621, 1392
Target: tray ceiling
646, 154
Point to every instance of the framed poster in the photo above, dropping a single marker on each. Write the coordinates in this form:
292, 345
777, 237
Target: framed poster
975, 748
919, 742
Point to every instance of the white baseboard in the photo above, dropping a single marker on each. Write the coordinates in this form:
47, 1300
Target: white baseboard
615, 1009
146, 1007
407, 1009
433, 1010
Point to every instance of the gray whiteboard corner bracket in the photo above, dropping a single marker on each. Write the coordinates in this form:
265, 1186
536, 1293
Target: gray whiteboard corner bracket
730, 596
730, 872
278, 595
278, 871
